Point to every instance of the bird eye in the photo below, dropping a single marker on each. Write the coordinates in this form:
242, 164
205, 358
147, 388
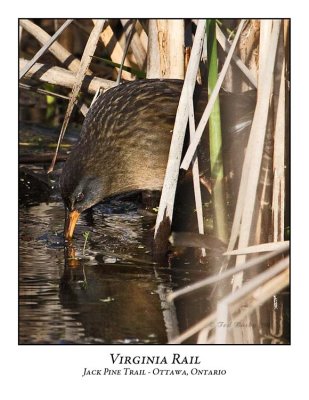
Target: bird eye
79, 197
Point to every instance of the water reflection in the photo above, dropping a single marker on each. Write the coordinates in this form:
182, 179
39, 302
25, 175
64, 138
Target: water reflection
113, 293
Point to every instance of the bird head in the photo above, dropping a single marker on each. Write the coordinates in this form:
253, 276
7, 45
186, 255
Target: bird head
78, 195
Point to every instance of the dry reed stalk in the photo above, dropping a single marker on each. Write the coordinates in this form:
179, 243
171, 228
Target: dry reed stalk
165, 56
259, 248
172, 170
254, 153
224, 43
247, 289
49, 44
115, 50
20, 33
224, 275
62, 77
278, 200
200, 129
265, 35
261, 226
241, 196
153, 61
85, 62
175, 48
136, 45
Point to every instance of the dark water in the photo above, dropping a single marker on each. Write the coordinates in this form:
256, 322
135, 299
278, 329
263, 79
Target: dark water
113, 293
110, 291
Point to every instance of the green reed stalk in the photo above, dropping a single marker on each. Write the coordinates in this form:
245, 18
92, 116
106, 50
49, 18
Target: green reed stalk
215, 139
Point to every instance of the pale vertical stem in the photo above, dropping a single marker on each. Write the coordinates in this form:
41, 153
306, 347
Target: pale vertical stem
243, 183
279, 181
172, 170
265, 34
261, 225
162, 38
165, 49
175, 48
256, 140
153, 56
196, 174
20, 32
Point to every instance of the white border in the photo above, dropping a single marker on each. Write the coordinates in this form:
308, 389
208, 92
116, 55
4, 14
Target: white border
54, 372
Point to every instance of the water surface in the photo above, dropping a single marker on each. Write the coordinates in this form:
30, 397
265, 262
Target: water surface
112, 292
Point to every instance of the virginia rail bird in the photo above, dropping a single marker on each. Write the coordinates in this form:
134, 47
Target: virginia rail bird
124, 144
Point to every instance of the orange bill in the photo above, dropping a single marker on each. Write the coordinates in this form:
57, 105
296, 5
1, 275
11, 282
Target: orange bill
73, 217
